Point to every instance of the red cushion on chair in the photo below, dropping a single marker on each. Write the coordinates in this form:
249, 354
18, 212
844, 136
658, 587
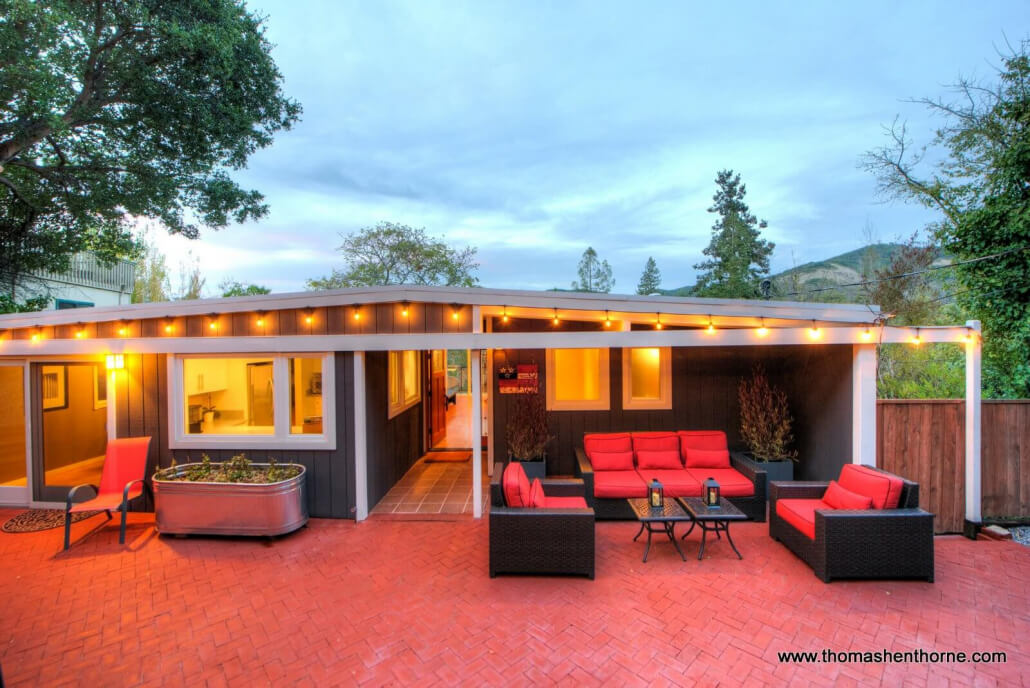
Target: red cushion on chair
537, 497
607, 442
565, 502
669, 459
732, 483
800, 513
842, 498
675, 483
883, 488
655, 441
515, 485
708, 458
611, 461
619, 484
107, 502
702, 439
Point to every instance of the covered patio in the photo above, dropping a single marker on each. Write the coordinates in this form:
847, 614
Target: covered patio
381, 602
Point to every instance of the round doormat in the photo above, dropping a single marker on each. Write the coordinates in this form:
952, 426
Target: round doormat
41, 519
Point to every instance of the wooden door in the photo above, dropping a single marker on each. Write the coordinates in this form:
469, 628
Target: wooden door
437, 398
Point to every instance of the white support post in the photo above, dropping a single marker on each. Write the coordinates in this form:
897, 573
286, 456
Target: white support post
974, 494
360, 440
863, 404
489, 405
477, 433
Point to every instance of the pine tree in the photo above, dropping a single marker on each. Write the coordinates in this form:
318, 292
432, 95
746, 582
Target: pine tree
651, 279
738, 258
594, 275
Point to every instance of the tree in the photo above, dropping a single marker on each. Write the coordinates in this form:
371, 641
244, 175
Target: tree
975, 173
231, 287
115, 110
392, 253
738, 259
903, 289
151, 284
651, 279
594, 275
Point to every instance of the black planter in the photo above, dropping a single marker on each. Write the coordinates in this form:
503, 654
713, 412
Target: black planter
774, 470
534, 468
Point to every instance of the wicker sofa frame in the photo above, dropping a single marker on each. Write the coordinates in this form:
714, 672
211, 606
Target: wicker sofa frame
619, 509
875, 543
543, 541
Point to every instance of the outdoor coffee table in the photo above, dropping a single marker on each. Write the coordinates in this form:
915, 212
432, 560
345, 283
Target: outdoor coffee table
661, 520
712, 518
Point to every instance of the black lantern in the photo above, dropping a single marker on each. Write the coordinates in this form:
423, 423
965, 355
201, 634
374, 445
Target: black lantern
656, 495
711, 494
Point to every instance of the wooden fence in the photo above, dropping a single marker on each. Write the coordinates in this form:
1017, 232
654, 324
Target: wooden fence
924, 440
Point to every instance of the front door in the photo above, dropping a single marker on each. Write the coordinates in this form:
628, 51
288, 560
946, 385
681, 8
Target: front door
437, 397
14, 474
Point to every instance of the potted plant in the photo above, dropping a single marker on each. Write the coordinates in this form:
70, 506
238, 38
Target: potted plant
236, 497
527, 434
766, 426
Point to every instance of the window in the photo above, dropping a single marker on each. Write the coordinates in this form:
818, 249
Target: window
647, 378
252, 401
405, 390
64, 304
577, 380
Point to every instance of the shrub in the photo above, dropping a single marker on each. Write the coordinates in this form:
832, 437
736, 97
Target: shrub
238, 469
765, 420
526, 432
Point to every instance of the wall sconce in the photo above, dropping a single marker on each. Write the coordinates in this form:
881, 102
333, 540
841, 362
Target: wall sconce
115, 361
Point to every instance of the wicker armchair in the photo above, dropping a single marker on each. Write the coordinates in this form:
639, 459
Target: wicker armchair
540, 540
874, 543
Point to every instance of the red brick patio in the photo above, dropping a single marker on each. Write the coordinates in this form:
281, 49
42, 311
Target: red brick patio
387, 602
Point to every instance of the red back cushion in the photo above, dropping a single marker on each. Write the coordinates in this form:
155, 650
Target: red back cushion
612, 461
670, 458
884, 489
607, 442
536, 495
655, 441
702, 439
708, 458
842, 498
515, 484
125, 461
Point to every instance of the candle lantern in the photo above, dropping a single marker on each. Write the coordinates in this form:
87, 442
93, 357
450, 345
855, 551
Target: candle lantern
656, 494
711, 493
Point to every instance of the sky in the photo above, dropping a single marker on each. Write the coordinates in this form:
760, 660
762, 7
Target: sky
532, 130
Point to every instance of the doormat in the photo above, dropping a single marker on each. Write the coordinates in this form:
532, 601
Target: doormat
41, 519
448, 457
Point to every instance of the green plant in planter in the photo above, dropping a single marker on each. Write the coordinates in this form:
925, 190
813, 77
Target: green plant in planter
527, 432
765, 420
238, 469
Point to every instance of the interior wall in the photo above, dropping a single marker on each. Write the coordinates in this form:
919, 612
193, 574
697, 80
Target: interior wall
77, 431
394, 444
12, 425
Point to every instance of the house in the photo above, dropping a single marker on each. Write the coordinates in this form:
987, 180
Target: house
86, 283
348, 382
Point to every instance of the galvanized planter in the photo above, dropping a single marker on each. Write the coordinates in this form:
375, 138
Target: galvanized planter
203, 508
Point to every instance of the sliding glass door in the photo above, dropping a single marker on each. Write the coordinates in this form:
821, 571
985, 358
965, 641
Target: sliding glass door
14, 484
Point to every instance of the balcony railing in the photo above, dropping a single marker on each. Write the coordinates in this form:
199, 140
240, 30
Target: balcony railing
87, 271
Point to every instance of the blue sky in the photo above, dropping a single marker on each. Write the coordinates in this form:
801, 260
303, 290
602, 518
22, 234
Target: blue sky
532, 130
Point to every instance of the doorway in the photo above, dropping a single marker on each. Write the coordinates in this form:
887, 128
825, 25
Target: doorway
70, 414
14, 473
449, 411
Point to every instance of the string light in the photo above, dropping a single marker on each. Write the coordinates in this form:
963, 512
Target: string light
454, 311
81, 332
36, 336
404, 309
711, 327
260, 322
607, 319
309, 318
555, 320
813, 331
969, 338
658, 322
213, 325
169, 328
917, 340
762, 330
357, 312
123, 330
504, 316
867, 335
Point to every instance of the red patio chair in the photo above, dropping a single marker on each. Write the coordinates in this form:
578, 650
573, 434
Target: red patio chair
125, 466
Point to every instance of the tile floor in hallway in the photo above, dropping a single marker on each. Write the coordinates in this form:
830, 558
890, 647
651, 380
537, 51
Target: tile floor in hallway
430, 488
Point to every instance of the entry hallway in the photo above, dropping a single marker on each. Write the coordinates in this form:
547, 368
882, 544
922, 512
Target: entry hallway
405, 603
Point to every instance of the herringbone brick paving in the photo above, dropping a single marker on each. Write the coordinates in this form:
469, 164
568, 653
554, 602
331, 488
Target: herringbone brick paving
411, 603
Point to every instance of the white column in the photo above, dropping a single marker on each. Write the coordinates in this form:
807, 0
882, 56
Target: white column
477, 434
489, 406
974, 494
863, 404
360, 440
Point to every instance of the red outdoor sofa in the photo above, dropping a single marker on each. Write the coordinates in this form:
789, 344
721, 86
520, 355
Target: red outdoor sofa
865, 524
617, 466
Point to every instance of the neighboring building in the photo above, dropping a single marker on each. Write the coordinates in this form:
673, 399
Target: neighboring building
87, 283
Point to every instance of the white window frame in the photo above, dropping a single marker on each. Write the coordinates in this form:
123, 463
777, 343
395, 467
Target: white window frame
393, 409
664, 400
602, 403
281, 438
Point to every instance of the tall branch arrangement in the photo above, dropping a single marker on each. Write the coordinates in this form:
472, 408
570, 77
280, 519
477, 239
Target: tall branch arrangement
527, 433
765, 420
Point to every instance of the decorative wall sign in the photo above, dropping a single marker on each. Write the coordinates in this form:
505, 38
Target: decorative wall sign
521, 379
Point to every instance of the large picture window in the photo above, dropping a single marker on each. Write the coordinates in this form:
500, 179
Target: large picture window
577, 380
647, 378
404, 381
252, 401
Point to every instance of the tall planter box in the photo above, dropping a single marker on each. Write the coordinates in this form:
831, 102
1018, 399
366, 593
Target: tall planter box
775, 471
535, 468
210, 508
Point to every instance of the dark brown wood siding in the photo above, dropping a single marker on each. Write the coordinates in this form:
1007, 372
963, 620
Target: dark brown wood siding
142, 409
394, 444
704, 396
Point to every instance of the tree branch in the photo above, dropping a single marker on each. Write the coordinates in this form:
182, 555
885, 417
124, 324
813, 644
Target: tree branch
17, 192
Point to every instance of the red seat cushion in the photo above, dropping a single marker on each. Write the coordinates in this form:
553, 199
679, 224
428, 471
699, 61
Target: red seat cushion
707, 458
611, 461
702, 439
800, 513
607, 442
515, 485
565, 502
731, 482
675, 483
106, 502
624, 484
668, 459
536, 494
655, 441
842, 498
883, 488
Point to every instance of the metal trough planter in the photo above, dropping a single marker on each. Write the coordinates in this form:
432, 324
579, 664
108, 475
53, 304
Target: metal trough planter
210, 508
